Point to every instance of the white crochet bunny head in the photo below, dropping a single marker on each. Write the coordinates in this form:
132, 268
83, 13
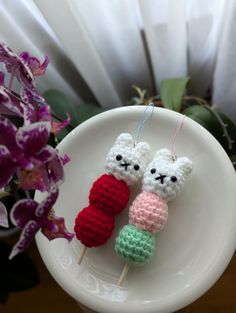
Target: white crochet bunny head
126, 161
166, 177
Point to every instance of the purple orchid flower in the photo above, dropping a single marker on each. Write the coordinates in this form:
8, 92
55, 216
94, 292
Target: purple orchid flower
41, 111
10, 103
25, 66
23, 149
42, 176
28, 105
17, 66
65, 159
31, 216
34, 64
58, 126
3, 215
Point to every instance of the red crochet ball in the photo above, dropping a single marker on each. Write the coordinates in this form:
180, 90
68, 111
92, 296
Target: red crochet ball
109, 194
93, 227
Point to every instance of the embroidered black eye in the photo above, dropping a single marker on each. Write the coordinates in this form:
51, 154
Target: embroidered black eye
173, 179
153, 170
136, 167
119, 157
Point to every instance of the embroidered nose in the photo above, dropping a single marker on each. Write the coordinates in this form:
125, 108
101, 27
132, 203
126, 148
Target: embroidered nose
161, 178
125, 165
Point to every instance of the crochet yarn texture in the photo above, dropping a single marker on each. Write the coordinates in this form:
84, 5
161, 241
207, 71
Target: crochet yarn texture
93, 227
162, 181
148, 212
135, 246
109, 194
94, 224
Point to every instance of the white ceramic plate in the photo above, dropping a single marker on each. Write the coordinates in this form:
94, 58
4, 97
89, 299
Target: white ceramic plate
192, 251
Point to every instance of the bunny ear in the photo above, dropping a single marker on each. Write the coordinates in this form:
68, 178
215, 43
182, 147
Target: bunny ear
143, 148
163, 154
124, 139
185, 164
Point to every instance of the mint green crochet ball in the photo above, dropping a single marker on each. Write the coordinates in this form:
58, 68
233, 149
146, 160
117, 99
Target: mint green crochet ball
135, 246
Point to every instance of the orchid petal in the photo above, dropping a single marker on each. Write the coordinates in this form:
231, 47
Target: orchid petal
37, 68
3, 215
56, 127
56, 228
8, 57
45, 155
26, 70
17, 64
26, 95
10, 103
24, 56
28, 114
7, 133
23, 211
34, 137
4, 97
33, 98
26, 78
2, 76
7, 166
44, 113
46, 205
65, 159
24, 164
13, 105
40, 70
56, 171
34, 64
37, 178
27, 235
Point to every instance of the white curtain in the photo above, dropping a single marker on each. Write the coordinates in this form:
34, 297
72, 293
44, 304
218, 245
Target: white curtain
100, 48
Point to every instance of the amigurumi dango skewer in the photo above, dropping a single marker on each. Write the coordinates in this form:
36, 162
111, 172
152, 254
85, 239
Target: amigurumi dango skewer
162, 181
109, 195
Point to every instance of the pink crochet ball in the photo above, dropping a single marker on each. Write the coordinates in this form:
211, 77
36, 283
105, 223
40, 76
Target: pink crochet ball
148, 212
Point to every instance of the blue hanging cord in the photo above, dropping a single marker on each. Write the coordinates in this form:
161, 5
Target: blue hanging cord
146, 116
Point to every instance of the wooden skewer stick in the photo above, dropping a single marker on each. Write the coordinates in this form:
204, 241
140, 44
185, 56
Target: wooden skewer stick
82, 254
123, 274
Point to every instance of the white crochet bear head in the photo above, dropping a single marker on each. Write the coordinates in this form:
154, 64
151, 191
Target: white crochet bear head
165, 176
126, 161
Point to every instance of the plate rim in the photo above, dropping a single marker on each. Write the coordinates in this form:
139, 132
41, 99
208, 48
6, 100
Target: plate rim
182, 298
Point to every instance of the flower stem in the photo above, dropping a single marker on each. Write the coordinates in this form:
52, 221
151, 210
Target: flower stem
52, 114
4, 194
61, 120
12, 78
216, 115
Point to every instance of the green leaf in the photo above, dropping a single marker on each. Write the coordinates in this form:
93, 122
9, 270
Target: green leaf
61, 105
172, 92
87, 110
233, 160
207, 119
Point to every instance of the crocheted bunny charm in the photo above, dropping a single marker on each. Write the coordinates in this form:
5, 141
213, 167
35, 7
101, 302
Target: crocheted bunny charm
163, 179
109, 195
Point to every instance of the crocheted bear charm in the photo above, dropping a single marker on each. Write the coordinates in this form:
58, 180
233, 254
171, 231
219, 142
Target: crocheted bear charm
163, 179
109, 195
